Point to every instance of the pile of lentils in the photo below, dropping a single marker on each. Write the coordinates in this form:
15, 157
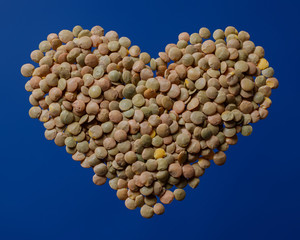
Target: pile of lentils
148, 125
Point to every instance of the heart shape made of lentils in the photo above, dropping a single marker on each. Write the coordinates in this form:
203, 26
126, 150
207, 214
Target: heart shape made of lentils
148, 125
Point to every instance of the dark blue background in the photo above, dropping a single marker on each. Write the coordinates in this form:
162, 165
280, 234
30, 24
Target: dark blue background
46, 195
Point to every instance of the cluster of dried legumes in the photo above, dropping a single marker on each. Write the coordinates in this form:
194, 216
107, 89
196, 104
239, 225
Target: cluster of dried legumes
97, 96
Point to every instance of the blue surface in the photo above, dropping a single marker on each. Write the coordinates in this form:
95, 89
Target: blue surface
46, 195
